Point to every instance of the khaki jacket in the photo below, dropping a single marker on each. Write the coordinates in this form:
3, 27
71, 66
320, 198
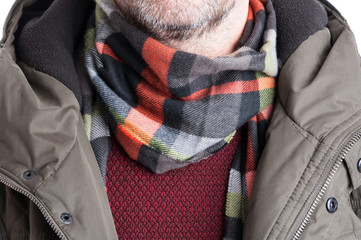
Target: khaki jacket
307, 184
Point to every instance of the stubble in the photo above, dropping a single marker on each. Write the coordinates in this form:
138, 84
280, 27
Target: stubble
175, 20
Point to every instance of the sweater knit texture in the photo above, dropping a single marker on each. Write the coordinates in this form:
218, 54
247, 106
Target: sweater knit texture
187, 203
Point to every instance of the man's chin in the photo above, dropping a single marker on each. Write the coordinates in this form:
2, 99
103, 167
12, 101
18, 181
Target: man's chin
174, 20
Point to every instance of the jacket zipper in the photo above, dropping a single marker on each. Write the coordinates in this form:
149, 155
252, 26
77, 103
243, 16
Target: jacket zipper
339, 160
39, 204
325, 185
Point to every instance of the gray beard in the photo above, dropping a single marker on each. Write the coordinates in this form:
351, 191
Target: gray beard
175, 20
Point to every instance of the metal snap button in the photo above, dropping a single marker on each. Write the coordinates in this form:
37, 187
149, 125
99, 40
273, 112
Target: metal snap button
359, 165
66, 218
332, 205
28, 175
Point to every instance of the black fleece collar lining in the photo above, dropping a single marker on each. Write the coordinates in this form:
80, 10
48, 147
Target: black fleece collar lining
49, 34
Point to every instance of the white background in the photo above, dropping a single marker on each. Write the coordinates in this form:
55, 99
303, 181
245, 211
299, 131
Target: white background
350, 9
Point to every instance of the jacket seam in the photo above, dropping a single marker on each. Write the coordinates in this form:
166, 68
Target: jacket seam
3, 51
45, 181
350, 125
311, 192
35, 195
322, 157
343, 197
301, 194
304, 134
55, 169
335, 152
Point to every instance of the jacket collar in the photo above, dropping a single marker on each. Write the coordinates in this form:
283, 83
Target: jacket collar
56, 26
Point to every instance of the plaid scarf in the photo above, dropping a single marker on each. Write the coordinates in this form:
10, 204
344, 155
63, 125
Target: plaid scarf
170, 108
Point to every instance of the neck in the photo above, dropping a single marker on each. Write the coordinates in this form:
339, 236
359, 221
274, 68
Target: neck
220, 41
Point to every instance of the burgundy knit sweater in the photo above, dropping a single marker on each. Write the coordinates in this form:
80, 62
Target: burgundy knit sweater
187, 203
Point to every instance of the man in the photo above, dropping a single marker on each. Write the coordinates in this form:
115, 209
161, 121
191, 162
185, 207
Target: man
147, 120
